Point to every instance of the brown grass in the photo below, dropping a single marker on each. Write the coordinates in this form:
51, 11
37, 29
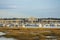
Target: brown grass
30, 33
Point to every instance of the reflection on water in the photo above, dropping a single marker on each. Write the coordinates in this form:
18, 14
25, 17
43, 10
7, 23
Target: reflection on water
3, 38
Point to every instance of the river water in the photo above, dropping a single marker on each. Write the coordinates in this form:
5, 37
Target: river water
4, 38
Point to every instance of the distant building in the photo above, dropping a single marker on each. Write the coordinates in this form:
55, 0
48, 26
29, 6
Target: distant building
30, 22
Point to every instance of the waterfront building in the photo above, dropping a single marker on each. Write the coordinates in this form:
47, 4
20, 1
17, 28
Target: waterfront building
30, 22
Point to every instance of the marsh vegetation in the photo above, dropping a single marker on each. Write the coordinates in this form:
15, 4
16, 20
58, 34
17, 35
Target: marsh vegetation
32, 33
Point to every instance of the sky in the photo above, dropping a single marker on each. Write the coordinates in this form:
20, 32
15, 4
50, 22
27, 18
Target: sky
28, 8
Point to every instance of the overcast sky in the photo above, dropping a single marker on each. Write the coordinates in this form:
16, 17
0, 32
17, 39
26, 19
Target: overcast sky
27, 8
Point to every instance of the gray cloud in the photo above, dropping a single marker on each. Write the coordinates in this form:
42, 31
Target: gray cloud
7, 6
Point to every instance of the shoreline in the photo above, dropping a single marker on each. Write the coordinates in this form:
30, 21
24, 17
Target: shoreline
30, 33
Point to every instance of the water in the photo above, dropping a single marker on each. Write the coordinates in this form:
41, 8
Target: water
1, 33
51, 37
4, 38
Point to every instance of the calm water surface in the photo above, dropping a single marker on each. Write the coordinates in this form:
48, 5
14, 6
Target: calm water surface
4, 38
